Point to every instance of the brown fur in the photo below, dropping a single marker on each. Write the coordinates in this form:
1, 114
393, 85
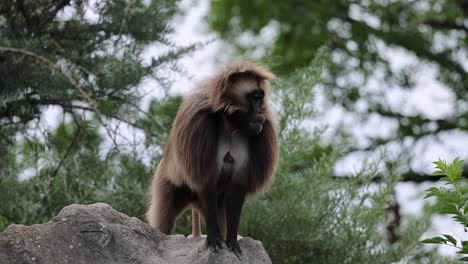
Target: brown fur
188, 168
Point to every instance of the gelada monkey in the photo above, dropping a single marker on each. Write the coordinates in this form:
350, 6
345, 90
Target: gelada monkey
222, 147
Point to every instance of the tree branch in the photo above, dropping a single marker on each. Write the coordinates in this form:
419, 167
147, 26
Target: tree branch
69, 106
91, 102
409, 176
445, 25
442, 126
405, 40
72, 144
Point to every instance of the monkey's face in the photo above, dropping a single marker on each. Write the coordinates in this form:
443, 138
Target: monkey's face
252, 119
255, 116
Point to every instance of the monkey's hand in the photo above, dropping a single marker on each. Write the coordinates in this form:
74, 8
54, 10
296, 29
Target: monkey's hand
233, 245
214, 243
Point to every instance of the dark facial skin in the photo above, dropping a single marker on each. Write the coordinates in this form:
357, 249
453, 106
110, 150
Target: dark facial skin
255, 117
253, 120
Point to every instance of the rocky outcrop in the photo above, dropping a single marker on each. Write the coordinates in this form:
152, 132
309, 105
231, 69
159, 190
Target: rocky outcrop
99, 234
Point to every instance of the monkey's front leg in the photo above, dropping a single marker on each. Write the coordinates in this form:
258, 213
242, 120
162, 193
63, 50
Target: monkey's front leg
209, 201
234, 203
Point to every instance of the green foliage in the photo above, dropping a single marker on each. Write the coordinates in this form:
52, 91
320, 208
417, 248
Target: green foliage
87, 58
310, 217
94, 66
451, 201
363, 37
158, 122
80, 56
306, 216
73, 166
351, 28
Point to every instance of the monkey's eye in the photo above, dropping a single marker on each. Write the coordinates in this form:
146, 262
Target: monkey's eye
259, 99
258, 93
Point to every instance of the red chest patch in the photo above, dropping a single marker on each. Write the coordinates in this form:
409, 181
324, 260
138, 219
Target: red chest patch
228, 158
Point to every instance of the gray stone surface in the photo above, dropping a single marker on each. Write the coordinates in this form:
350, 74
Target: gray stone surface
99, 234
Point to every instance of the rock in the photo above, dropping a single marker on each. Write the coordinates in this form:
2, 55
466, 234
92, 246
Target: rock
99, 234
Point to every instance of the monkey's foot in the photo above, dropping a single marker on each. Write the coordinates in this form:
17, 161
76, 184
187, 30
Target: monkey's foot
214, 243
233, 245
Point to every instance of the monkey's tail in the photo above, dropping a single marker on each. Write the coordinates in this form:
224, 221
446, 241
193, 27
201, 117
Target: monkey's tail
195, 223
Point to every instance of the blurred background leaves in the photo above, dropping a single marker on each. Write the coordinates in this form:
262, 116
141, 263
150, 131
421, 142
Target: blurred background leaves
88, 62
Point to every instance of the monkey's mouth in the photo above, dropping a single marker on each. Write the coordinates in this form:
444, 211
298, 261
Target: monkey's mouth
255, 124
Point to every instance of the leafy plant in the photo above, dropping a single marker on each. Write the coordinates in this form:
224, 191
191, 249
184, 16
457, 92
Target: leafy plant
290, 33
451, 201
309, 216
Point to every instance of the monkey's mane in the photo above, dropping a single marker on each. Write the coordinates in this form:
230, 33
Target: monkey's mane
195, 127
